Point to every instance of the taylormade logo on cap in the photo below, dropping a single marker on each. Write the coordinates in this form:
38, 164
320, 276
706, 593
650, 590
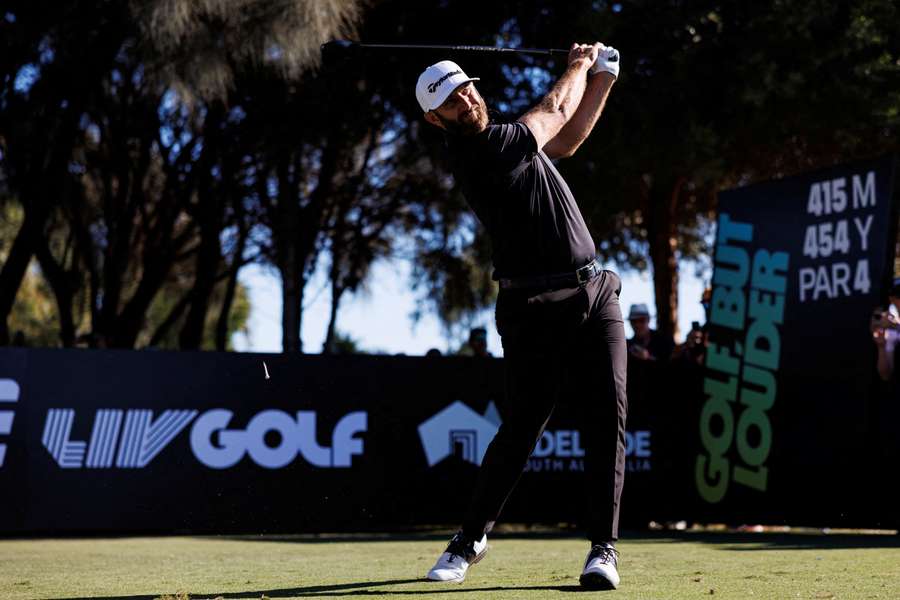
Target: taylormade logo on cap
437, 82
434, 86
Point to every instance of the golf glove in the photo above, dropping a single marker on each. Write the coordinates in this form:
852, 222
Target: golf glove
607, 60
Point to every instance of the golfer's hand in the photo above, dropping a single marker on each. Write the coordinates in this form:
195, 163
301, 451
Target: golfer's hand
586, 54
607, 61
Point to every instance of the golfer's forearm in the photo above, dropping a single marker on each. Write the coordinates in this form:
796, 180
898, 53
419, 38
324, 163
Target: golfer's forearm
577, 129
559, 105
566, 95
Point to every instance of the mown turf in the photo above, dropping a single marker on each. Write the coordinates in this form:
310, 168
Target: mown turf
664, 567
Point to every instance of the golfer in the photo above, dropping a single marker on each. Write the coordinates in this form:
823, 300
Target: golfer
557, 311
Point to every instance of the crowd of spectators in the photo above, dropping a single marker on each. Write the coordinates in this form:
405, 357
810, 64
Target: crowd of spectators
648, 344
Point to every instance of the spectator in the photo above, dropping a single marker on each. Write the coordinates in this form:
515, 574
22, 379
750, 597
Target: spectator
886, 331
477, 344
705, 300
647, 344
694, 347
433, 353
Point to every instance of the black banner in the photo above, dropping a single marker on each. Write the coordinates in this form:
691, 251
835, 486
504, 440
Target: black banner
786, 423
787, 415
123, 441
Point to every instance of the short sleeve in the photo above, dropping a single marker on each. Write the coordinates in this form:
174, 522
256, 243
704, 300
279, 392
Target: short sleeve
509, 144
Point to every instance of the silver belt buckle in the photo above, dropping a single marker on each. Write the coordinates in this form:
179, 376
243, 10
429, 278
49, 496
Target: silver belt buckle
585, 273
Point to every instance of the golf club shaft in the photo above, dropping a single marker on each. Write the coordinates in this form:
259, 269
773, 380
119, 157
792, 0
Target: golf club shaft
542, 51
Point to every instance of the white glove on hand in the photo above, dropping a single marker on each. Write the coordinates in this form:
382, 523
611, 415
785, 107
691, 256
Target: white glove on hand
607, 60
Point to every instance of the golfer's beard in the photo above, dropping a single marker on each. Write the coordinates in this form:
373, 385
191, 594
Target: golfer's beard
470, 126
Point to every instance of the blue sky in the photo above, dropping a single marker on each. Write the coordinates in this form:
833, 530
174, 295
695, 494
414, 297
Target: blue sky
379, 318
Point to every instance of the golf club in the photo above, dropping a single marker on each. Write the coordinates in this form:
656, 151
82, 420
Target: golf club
336, 49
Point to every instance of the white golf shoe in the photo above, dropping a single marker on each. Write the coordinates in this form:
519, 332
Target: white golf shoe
600, 571
457, 558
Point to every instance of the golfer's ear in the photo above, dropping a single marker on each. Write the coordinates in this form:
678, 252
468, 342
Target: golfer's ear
432, 118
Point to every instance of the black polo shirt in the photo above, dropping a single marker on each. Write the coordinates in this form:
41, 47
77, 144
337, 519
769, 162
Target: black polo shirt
522, 200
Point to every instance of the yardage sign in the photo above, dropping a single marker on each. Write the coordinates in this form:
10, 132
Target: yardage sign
799, 266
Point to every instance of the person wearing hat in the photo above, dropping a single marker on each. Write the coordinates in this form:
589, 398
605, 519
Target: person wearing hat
646, 343
557, 311
886, 332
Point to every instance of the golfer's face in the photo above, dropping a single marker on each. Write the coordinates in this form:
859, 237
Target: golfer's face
464, 107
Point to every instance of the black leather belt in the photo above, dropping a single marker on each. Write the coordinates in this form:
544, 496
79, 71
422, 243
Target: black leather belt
560, 280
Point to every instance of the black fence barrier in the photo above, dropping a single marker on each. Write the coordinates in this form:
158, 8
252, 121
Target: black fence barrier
144, 441
166, 442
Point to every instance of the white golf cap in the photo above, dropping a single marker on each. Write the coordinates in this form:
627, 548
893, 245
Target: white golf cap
437, 82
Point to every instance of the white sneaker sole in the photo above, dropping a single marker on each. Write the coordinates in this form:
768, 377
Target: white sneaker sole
474, 562
596, 581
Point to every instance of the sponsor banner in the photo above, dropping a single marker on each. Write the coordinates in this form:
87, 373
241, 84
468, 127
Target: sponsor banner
126, 441
787, 400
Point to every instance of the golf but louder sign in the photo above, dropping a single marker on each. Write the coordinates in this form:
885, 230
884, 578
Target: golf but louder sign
789, 396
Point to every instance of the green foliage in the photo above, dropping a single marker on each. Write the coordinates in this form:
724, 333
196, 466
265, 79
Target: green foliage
35, 316
33, 319
345, 344
238, 317
203, 47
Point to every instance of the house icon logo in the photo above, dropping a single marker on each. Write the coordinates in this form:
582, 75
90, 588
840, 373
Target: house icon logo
459, 430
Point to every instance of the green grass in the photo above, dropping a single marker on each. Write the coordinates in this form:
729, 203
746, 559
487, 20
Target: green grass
658, 566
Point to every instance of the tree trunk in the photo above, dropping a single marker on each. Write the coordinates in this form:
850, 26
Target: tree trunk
210, 217
119, 217
208, 258
157, 262
39, 190
15, 266
119, 210
170, 319
132, 318
63, 291
662, 240
296, 228
337, 291
292, 283
230, 290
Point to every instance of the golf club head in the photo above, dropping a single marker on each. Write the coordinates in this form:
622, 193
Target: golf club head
337, 51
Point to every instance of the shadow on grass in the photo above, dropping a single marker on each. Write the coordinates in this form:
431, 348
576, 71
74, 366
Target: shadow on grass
743, 541
403, 536
358, 589
739, 541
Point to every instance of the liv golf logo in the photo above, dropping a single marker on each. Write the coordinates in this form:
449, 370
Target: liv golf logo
9, 393
131, 439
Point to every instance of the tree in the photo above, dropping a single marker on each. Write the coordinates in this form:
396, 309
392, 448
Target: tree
45, 91
203, 48
137, 170
36, 317
713, 95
